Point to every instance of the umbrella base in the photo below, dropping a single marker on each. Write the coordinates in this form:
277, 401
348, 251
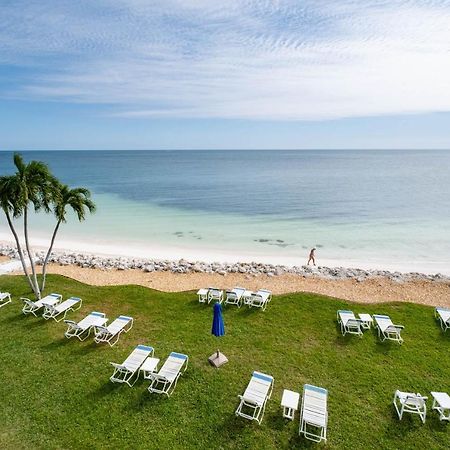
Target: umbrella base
217, 359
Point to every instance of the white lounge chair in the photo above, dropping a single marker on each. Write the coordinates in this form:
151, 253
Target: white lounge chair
410, 403
165, 381
58, 312
82, 329
314, 413
443, 314
387, 330
260, 299
5, 298
112, 332
123, 373
234, 297
253, 402
215, 294
32, 307
349, 323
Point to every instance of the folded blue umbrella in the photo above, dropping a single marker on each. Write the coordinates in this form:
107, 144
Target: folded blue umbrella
218, 328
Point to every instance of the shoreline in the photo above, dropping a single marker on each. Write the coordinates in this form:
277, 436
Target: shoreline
354, 285
160, 252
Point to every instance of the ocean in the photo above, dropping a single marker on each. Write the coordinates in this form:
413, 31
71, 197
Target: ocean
371, 209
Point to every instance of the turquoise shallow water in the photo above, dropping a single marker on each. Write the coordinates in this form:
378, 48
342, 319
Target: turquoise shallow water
370, 208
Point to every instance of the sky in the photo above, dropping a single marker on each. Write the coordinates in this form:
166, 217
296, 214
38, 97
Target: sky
209, 74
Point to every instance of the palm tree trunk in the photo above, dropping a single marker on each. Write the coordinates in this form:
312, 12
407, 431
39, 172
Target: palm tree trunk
19, 249
30, 256
44, 267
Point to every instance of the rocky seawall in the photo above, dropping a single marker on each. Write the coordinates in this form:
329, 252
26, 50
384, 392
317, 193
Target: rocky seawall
249, 268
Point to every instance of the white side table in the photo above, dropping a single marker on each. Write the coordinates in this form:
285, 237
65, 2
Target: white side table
289, 402
441, 403
150, 365
246, 296
202, 295
366, 321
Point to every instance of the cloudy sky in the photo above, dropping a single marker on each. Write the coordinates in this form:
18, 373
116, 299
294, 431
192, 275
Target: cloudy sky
224, 74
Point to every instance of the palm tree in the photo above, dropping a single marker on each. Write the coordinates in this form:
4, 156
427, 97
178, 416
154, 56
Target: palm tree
31, 185
79, 200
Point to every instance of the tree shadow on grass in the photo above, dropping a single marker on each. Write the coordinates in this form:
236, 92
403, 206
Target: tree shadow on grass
277, 422
105, 389
55, 345
147, 400
299, 441
234, 426
85, 348
16, 318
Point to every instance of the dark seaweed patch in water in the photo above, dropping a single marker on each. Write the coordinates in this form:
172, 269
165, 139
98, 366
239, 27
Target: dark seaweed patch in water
319, 246
277, 242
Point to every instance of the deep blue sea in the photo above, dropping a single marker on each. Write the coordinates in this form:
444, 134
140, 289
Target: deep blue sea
369, 208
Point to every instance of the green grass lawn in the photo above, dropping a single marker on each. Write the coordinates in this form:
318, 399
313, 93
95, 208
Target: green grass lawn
56, 393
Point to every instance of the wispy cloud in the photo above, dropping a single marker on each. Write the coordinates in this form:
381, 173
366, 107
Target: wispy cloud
252, 59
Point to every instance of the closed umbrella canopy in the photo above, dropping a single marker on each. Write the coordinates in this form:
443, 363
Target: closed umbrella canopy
218, 328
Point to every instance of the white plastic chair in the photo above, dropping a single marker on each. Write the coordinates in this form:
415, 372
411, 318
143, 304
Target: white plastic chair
112, 332
387, 330
165, 381
349, 323
253, 401
59, 311
123, 373
314, 413
5, 298
443, 315
234, 297
407, 402
32, 307
82, 329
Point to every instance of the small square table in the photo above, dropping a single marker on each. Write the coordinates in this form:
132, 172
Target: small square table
441, 403
246, 296
289, 402
150, 366
202, 295
366, 321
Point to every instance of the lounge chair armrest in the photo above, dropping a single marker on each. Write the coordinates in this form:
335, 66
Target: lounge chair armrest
24, 299
100, 329
161, 378
70, 322
248, 401
119, 366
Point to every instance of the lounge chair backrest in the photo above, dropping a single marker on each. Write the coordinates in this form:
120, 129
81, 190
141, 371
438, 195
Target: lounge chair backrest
214, 293
444, 313
264, 293
415, 400
231, 295
172, 366
90, 319
383, 322
238, 291
66, 304
345, 316
255, 297
137, 357
118, 324
315, 391
258, 388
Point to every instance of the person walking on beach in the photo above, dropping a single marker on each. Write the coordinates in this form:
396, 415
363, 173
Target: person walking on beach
312, 256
